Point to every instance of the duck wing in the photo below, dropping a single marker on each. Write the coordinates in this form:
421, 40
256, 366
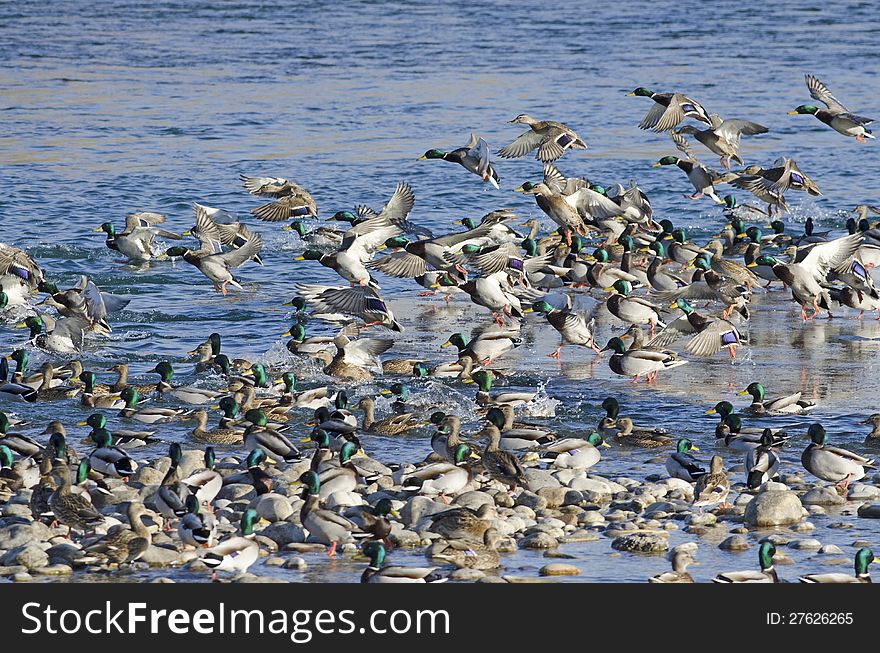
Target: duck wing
820, 92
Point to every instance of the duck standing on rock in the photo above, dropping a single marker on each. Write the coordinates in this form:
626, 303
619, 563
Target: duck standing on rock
832, 463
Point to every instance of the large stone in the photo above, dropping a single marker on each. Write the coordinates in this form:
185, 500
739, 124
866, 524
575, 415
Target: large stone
474, 499
540, 478
190, 461
555, 496
234, 491
18, 534
863, 492
870, 510
531, 500
419, 507
774, 507
30, 555
538, 540
559, 569
272, 507
160, 556
822, 496
284, 533
641, 542
146, 475
734, 543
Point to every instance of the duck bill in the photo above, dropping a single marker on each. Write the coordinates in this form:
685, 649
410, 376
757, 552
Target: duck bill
528, 310
711, 411
605, 444
446, 344
742, 392
519, 189
83, 423
792, 113
299, 258
286, 334
630, 95
422, 158
394, 513
656, 165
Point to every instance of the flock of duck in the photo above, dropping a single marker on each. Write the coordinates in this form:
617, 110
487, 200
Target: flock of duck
475, 495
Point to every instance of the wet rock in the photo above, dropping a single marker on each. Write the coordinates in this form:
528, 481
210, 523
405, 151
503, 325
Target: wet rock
774, 507
405, 538
641, 542
822, 496
296, 563
147, 476
474, 499
30, 555
283, 533
830, 549
503, 500
597, 486
555, 496
540, 478
265, 543
538, 540
65, 553
697, 519
272, 507
305, 547
776, 539
580, 535
806, 545
419, 507
531, 500
734, 543
803, 527
559, 569
870, 510
467, 575
12, 570
858, 544
491, 579
235, 491
19, 534
863, 492
160, 556
274, 561
22, 577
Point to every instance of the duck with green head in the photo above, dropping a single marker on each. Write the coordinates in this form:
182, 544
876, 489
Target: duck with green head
216, 267
321, 236
574, 328
110, 460
767, 574
304, 345
275, 445
791, 404
205, 483
485, 397
573, 452
236, 553
832, 463
640, 362
863, 558
196, 529
379, 572
473, 157
670, 109
486, 347
681, 464
632, 309
187, 394
835, 115
711, 334
151, 415
324, 525
310, 399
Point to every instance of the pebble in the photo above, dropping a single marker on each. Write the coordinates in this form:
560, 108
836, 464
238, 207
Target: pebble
822, 496
467, 575
538, 540
830, 549
272, 507
803, 527
559, 569
863, 492
806, 545
531, 500
295, 563
869, 510
274, 561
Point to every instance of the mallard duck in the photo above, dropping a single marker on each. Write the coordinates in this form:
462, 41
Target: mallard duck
363, 302
121, 438
499, 464
194, 528
213, 234
627, 433
442, 479
64, 336
11, 481
109, 460
324, 525
15, 390
680, 559
44, 489
767, 574
573, 453
711, 334
681, 464
375, 520
744, 440
487, 346
321, 236
69, 508
788, 405
290, 199
469, 555
236, 553
310, 399
550, 139
146, 415
171, 495
343, 477
19, 275
638, 362
394, 425
831, 463
301, 344
218, 435
670, 109
121, 371
84, 301
261, 481
631, 309
574, 328
835, 115
275, 445
514, 438
378, 572
186, 394
91, 398
874, 435
135, 241
216, 265
124, 544
699, 175
473, 157
730, 269
762, 463
484, 397
463, 523
23, 445
806, 276
722, 137
205, 483
864, 557
712, 488
354, 358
